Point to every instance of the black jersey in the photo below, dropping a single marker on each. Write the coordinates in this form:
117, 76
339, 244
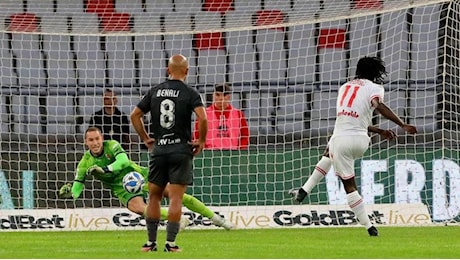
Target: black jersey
171, 105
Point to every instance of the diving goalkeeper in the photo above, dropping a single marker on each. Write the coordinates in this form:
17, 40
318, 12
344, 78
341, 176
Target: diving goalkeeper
108, 162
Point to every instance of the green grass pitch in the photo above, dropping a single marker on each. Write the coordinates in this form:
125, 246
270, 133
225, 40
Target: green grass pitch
393, 242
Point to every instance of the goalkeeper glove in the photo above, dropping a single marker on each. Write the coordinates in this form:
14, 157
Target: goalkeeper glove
98, 170
65, 192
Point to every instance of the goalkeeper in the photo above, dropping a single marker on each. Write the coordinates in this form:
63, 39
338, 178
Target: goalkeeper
109, 163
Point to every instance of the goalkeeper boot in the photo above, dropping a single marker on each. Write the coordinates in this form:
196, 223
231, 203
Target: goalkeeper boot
221, 222
147, 247
184, 222
169, 248
298, 195
373, 232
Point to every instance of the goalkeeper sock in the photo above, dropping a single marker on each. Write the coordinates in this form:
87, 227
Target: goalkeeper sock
321, 169
152, 229
355, 201
197, 206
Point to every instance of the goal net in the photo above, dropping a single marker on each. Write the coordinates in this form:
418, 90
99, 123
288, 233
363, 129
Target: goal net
285, 61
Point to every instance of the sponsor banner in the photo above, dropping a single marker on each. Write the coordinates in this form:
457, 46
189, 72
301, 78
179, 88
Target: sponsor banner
245, 217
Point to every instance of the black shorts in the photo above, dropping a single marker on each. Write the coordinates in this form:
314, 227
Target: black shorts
175, 168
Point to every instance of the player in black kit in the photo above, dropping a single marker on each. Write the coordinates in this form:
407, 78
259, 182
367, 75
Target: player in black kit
171, 105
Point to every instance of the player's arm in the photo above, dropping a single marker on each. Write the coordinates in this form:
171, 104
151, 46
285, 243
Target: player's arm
386, 134
385, 111
202, 120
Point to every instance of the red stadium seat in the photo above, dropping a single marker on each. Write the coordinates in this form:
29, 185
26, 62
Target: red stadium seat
23, 22
100, 6
209, 41
116, 22
367, 4
331, 38
222, 6
270, 17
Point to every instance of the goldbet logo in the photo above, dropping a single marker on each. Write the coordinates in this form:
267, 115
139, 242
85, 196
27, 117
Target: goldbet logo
30, 222
331, 218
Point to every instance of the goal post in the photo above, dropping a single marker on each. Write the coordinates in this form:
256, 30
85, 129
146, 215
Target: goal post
285, 61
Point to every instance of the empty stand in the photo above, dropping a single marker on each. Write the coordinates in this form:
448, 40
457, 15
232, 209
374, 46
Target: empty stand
395, 45
260, 113
221, 6
10, 7
26, 49
7, 75
129, 6
302, 51
181, 43
120, 60
100, 7
363, 40
425, 49
159, 6
240, 47
271, 47
323, 111
116, 22
332, 51
90, 58
246, 6
188, 6
284, 6
291, 112
61, 114
423, 109
149, 50
59, 56
40, 7
210, 47
69, 7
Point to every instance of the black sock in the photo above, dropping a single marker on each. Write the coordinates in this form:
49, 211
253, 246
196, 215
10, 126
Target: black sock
152, 228
172, 228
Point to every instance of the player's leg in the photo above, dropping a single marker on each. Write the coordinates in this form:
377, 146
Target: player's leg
157, 183
321, 169
344, 154
180, 175
195, 205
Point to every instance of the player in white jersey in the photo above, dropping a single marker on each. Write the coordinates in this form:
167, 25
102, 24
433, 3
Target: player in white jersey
356, 103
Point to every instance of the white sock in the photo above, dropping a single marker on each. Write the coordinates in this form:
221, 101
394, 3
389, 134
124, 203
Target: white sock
321, 169
355, 201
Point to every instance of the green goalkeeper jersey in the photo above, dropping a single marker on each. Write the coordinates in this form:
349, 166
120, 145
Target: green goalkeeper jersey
120, 166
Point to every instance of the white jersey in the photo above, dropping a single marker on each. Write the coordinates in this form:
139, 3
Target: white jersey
354, 107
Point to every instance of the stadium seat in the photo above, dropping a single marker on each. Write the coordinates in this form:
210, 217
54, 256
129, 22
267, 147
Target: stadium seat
26, 114
40, 7
367, 4
291, 112
131, 7
120, 60
302, 5
29, 60
11, 7
116, 22
270, 44
323, 111
90, 58
69, 7
188, 6
60, 68
396, 100
260, 113
240, 47
127, 102
284, 6
149, 50
247, 6
100, 7
395, 45
159, 6
425, 28
302, 53
221, 6
423, 109
332, 51
181, 43
7, 76
61, 114
210, 47
363, 40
